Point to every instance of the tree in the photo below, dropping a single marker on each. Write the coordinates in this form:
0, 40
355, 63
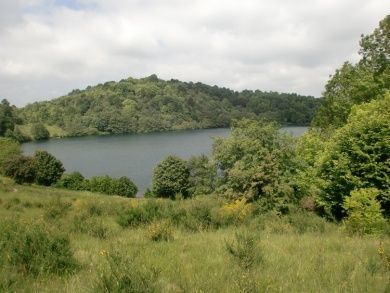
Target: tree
73, 181
20, 168
7, 117
8, 148
356, 84
364, 212
357, 156
39, 131
171, 177
203, 175
255, 161
48, 169
123, 186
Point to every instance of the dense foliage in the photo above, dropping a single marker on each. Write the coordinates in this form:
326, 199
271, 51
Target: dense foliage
349, 148
20, 168
151, 104
122, 186
48, 169
39, 131
255, 161
171, 177
358, 156
7, 118
364, 212
8, 148
359, 83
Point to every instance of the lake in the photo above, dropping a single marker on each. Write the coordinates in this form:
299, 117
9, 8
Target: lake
132, 155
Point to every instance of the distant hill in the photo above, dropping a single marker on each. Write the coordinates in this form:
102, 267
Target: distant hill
151, 104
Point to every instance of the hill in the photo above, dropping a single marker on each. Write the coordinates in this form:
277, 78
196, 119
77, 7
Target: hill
151, 104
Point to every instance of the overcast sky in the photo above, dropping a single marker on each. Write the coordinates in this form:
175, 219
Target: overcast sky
49, 47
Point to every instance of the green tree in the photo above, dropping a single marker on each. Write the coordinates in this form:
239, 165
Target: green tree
39, 131
48, 169
123, 186
7, 117
73, 181
102, 184
8, 148
171, 177
364, 212
357, 156
360, 83
255, 161
20, 168
203, 175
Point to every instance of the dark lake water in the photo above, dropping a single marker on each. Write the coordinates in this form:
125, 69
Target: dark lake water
134, 155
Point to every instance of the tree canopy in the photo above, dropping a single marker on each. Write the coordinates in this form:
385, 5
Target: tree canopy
151, 104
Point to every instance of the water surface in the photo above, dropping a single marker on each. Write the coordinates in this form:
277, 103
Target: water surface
133, 155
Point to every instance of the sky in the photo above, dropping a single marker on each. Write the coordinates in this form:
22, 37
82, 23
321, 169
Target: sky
50, 47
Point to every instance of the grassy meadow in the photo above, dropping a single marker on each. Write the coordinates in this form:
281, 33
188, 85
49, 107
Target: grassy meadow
65, 241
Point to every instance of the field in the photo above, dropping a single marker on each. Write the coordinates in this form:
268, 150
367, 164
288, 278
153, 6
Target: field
63, 241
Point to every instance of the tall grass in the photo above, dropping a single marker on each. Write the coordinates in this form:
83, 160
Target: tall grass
58, 240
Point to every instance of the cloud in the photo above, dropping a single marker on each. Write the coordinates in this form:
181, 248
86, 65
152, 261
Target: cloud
50, 47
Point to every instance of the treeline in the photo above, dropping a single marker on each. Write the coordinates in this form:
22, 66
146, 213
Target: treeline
151, 104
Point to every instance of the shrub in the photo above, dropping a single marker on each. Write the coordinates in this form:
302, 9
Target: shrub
39, 131
364, 212
33, 249
73, 181
124, 274
357, 156
255, 161
48, 169
100, 184
124, 187
244, 250
160, 231
171, 177
133, 217
20, 168
90, 225
8, 148
56, 209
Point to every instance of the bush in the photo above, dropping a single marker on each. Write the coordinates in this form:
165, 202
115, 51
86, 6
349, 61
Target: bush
8, 148
73, 181
90, 225
20, 168
364, 212
33, 249
39, 131
357, 156
122, 186
160, 231
256, 161
48, 169
244, 250
171, 177
124, 274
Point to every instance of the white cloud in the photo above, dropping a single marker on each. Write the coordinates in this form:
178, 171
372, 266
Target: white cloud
50, 47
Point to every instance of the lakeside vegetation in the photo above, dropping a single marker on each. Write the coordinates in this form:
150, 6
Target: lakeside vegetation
266, 212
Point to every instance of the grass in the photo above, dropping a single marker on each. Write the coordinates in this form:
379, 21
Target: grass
267, 253
54, 131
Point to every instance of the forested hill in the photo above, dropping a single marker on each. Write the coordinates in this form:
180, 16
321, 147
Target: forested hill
151, 104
